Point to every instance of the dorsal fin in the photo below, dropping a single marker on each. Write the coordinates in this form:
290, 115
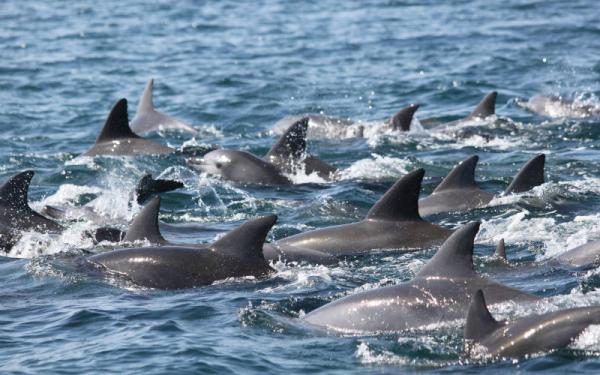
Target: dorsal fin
117, 124
460, 177
401, 201
455, 256
146, 105
403, 118
246, 241
500, 252
145, 225
530, 175
480, 322
14, 192
149, 186
291, 146
486, 107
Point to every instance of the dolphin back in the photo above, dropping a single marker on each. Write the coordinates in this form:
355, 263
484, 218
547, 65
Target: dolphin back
486, 107
401, 201
530, 176
403, 118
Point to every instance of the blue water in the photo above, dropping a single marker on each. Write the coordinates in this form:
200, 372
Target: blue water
232, 69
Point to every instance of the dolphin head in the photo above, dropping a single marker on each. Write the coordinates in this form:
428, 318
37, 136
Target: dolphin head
218, 162
240, 166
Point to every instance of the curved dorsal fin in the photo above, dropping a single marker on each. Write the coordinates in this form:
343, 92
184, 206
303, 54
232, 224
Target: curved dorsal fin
403, 118
530, 175
291, 145
500, 252
455, 256
401, 201
145, 225
480, 322
460, 177
117, 124
14, 192
247, 240
146, 105
149, 186
486, 107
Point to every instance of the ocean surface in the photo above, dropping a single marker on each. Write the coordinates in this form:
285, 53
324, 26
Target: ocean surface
232, 70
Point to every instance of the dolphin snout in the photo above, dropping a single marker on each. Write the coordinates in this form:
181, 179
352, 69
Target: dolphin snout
198, 163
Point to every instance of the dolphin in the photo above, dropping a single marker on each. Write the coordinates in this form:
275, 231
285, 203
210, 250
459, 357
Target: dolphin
146, 188
584, 256
237, 254
392, 223
558, 107
439, 293
286, 156
16, 215
459, 191
149, 186
145, 227
117, 138
321, 126
8, 238
485, 108
147, 119
525, 336
500, 252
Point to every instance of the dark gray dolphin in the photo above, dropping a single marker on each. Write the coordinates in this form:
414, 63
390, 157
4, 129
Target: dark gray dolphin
14, 207
145, 227
321, 126
392, 223
149, 186
279, 252
439, 293
524, 336
485, 108
147, 119
8, 238
237, 254
286, 156
117, 138
146, 188
558, 107
15, 214
459, 191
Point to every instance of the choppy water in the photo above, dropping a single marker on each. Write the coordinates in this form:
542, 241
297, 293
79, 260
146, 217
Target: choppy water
232, 69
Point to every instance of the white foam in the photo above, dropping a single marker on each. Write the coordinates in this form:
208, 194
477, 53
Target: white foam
517, 225
368, 356
87, 161
67, 194
499, 143
587, 184
376, 167
301, 177
588, 340
33, 244
300, 278
556, 237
